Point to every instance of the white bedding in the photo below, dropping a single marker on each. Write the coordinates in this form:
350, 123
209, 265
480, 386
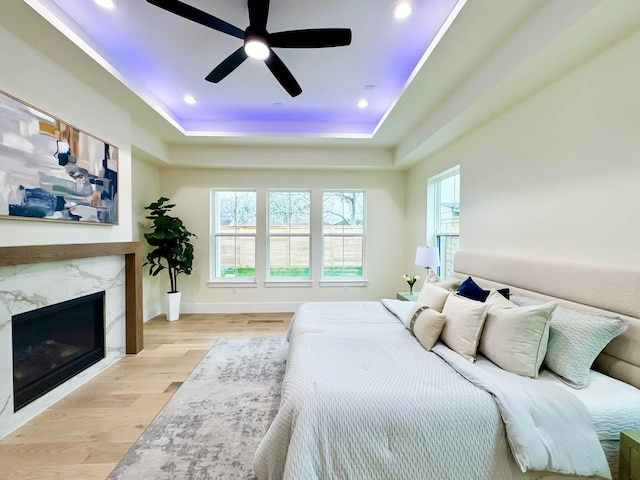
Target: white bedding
362, 399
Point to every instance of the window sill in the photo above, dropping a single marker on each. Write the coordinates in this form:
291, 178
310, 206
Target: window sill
235, 283
288, 283
344, 283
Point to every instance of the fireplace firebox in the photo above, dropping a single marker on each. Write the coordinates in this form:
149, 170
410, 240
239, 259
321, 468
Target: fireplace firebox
54, 343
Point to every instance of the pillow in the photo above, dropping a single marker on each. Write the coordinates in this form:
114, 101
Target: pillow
449, 283
472, 290
575, 340
463, 324
426, 324
515, 338
496, 299
433, 296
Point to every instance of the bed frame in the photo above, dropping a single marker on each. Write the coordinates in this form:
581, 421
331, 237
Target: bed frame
580, 286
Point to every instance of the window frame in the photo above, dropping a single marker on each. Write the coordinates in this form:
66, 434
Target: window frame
434, 232
344, 280
288, 280
214, 235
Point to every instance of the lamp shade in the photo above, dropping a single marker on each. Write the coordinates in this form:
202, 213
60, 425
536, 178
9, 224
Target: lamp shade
427, 256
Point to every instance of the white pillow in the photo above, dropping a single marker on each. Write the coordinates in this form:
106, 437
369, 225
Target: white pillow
575, 340
433, 296
463, 324
426, 324
496, 299
413, 314
515, 338
449, 283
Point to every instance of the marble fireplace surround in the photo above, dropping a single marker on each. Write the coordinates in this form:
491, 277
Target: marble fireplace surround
132, 251
28, 271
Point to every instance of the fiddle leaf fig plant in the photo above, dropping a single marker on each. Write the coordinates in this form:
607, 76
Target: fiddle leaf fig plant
169, 238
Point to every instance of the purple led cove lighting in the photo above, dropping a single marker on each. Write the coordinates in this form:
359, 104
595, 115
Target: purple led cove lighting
136, 38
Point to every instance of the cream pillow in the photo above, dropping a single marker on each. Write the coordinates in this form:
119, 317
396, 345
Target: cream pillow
433, 296
463, 324
413, 314
426, 324
515, 338
496, 299
450, 283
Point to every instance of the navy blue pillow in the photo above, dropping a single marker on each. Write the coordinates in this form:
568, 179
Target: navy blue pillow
472, 290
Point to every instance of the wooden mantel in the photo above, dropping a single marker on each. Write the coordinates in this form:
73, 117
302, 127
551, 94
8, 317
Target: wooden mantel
132, 251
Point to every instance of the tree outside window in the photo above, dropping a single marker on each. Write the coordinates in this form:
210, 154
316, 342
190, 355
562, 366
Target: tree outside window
289, 234
234, 235
343, 231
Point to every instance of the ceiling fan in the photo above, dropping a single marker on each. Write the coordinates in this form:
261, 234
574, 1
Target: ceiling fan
258, 41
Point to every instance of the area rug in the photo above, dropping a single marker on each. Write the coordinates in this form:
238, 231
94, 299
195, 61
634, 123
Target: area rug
211, 427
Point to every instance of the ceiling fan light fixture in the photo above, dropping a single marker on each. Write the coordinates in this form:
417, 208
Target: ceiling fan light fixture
402, 10
256, 48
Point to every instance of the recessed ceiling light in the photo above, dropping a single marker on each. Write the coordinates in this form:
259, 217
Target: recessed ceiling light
362, 103
108, 4
190, 99
402, 10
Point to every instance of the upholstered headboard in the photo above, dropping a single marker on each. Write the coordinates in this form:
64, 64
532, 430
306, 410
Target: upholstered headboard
581, 286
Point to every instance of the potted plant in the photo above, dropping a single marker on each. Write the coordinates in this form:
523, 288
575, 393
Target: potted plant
171, 250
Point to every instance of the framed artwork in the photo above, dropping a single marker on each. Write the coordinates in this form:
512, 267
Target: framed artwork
50, 170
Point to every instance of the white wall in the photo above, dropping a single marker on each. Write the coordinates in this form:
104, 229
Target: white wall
146, 181
556, 176
36, 80
190, 190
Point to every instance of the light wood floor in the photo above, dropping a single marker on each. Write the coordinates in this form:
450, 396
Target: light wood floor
84, 436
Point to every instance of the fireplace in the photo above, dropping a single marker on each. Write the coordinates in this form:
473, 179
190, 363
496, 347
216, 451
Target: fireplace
54, 343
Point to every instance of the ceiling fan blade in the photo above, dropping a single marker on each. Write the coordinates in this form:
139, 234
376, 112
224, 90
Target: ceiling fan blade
203, 18
311, 38
258, 13
283, 75
227, 66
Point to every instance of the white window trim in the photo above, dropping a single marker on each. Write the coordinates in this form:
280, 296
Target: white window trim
233, 282
344, 281
433, 212
282, 281
213, 235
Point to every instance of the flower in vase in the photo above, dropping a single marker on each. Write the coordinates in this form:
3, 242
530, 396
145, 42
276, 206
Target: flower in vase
411, 281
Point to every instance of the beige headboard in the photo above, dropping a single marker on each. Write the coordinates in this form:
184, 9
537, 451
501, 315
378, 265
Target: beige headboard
581, 286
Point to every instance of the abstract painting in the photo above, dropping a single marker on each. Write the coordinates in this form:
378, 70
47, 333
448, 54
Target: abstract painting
53, 171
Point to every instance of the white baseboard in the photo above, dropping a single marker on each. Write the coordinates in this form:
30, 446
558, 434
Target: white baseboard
265, 307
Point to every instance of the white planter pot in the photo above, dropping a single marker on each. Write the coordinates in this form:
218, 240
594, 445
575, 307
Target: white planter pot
173, 306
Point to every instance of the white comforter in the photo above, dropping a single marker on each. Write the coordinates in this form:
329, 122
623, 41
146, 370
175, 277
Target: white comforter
361, 399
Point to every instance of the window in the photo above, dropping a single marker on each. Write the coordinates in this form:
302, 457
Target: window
289, 234
343, 233
234, 234
444, 195
287, 237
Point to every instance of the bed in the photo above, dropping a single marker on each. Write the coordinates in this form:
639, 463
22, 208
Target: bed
362, 399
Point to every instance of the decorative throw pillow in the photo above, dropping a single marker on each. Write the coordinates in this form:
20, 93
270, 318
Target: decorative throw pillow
433, 277
449, 283
496, 299
433, 296
575, 340
472, 290
426, 324
515, 338
463, 325
413, 313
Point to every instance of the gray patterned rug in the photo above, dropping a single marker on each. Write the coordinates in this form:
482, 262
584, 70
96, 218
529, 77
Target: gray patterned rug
212, 425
